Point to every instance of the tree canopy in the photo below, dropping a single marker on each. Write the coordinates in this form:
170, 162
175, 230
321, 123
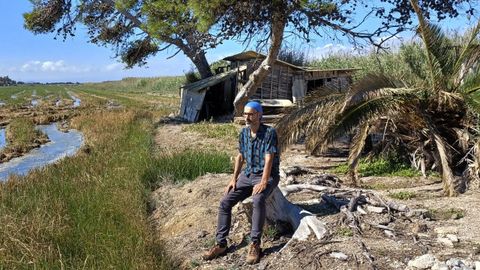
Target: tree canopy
136, 29
267, 21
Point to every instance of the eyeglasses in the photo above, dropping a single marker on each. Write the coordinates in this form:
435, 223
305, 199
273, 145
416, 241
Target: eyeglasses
245, 114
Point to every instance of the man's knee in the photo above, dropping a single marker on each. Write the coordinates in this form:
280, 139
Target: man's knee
259, 199
225, 205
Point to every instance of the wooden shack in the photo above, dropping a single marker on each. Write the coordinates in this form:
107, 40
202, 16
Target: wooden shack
285, 85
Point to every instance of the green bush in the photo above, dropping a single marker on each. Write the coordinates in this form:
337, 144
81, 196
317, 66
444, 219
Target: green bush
403, 195
381, 167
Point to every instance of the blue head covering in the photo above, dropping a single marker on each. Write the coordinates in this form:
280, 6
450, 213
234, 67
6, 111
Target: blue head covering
255, 105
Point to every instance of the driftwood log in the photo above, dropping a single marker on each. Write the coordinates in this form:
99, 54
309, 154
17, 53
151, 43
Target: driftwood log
282, 211
348, 201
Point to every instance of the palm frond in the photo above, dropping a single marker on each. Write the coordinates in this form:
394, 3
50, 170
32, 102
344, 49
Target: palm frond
300, 120
440, 56
377, 104
470, 88
468, 56
472, 172
447, 101
369, 84
471, 82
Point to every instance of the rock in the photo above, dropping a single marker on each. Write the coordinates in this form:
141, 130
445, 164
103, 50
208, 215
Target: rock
389, 233
339, 256
423, 235
446, 230
360, 210
396, 265
440, 266
477, 265
452, 238
445, 241
202, 234
263, 265
454, 262
290, 180
417, 213
423, 262
375, 209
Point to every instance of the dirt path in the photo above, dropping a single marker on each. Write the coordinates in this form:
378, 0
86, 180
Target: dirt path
185, 219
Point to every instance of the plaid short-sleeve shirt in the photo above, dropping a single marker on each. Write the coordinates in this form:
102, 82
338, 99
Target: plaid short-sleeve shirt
253, 150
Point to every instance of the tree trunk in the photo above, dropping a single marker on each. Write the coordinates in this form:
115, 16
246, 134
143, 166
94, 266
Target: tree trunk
355, 151
201, 63
280, 210
447, 174
256, 78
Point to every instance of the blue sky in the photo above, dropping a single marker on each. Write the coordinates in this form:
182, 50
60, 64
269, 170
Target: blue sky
28, 57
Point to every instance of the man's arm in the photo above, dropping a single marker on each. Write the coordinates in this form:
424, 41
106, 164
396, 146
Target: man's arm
267, 169
236, 172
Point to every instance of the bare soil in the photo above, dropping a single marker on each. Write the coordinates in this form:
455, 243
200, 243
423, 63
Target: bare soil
185, 218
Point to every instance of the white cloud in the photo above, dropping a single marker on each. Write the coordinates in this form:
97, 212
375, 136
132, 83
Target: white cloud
52, 66
390, 42
330, 49
113, 66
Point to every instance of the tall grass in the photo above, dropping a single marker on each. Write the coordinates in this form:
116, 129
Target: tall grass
190, 164
392, 62
214, 130
87, 211
161, 85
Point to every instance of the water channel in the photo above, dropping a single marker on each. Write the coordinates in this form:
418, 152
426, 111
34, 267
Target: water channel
61, 145
3, 139
76, 100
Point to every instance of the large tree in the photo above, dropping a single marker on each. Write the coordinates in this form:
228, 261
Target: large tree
430, 115
267, 20
136, 29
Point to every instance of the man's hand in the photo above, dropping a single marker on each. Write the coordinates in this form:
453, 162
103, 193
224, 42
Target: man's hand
258, 188
230, 186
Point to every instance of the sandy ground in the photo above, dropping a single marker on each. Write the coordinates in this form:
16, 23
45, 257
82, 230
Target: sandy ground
185, 219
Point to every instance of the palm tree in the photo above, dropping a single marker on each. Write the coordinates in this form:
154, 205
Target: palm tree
432, 114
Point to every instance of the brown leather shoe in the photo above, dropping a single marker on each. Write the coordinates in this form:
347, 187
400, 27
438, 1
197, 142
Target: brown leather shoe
254, 253
214, 252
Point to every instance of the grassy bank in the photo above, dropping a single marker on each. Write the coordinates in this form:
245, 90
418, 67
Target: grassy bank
161, 85
88, 211
214, 130
21, 137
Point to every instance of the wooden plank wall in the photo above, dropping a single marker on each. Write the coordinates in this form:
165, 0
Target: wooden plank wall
277, 85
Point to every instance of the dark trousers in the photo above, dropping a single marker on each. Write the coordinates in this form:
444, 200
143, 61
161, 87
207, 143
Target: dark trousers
243, 190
